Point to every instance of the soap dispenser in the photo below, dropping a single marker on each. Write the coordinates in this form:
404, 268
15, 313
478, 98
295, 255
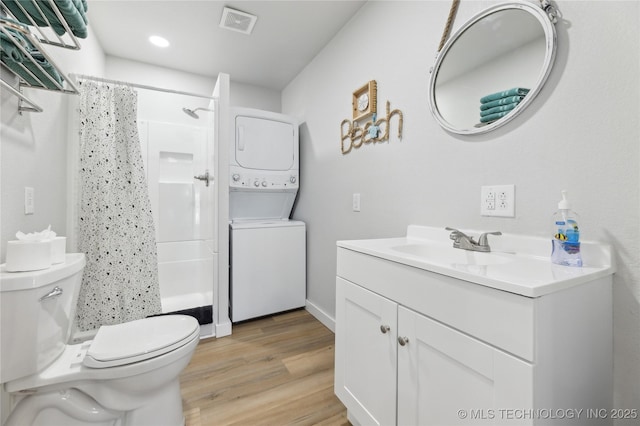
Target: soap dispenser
566, 235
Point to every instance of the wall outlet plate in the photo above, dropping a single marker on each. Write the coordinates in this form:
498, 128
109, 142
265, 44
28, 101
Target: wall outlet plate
498, 200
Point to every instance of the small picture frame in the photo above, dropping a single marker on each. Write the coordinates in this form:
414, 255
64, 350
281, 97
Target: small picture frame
365, 99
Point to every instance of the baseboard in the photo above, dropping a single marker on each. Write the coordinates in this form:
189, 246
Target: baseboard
321, 316
223, 329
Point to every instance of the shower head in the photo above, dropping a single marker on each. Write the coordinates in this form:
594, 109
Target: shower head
192, 112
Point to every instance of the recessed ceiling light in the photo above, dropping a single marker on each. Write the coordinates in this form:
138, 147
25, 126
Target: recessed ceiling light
159, 41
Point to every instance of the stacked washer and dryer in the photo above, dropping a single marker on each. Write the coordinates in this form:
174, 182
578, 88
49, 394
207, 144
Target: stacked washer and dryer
267, 249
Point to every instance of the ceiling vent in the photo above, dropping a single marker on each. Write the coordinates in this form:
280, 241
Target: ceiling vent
235, 20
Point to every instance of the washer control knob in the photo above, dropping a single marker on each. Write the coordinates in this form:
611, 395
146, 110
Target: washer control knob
264, 183
292, 179
256, 183
235, 177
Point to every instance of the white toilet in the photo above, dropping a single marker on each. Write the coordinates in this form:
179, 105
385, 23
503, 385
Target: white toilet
126, 376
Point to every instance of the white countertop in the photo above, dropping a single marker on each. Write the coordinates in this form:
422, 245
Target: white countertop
517, 264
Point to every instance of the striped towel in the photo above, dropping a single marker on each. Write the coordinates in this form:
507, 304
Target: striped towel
516, 91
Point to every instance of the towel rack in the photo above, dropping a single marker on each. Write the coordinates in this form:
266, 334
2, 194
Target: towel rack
32, 107
38, 82
45, 35
36, 76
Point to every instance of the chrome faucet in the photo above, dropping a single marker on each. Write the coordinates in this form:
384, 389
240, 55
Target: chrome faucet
465, 242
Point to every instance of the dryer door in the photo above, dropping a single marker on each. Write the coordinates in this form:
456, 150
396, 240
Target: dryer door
264, 144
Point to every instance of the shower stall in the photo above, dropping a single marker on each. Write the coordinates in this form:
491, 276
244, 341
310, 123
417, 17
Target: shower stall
176, 155
178, 134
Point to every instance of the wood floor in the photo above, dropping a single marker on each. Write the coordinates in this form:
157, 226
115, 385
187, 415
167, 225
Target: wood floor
273, 371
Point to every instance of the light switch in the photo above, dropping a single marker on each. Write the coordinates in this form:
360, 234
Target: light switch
356, 202
29, 201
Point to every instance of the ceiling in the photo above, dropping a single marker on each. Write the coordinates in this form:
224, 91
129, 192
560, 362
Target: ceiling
286, 36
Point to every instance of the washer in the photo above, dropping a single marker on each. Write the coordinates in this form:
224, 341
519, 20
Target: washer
268, 251
268, 272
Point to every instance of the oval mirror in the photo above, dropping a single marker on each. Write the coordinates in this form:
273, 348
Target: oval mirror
492, 68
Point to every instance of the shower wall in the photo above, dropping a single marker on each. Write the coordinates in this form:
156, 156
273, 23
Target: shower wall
175, 148
174, 154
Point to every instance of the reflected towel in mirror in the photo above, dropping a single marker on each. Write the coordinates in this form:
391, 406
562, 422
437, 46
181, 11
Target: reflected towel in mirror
516, 91
503, 101
493, 117
502, 108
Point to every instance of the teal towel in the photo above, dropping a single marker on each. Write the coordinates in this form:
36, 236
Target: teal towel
501, 108
30, 10
44, 78
50, 73
9, 48
14, 59
503, 101
73, 12
516, 91
493, 117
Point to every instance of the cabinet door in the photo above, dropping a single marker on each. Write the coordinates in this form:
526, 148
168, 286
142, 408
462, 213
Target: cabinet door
366, 354
447, 377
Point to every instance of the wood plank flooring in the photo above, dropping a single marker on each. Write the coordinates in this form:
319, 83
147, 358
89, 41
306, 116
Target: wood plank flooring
271, 371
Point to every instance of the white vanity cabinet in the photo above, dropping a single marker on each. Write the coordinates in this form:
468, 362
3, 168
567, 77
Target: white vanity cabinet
442, 371
414, 347
386, 350
366, 326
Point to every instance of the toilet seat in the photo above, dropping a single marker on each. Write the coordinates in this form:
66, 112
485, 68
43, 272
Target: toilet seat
131, 342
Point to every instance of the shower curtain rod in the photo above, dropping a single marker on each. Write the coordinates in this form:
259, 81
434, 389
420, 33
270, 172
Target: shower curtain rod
139, 86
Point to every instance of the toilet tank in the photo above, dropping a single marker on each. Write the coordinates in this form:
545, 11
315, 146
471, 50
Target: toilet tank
37, 309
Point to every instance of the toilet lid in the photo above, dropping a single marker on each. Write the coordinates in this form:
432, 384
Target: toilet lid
140, 340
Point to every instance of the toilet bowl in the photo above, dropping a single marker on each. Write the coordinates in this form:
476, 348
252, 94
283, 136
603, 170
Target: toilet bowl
127, 375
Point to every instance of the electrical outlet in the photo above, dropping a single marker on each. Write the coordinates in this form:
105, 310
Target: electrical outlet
490, 200
356, 202
497, 200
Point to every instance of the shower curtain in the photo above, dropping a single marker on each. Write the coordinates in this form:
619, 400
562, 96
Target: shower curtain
115, 224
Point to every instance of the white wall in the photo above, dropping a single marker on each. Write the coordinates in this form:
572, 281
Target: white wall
34, 148
581, 134
244, 95
250, 96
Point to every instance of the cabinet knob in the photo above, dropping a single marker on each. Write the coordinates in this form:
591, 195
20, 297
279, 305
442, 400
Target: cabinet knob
384, 329
403, 340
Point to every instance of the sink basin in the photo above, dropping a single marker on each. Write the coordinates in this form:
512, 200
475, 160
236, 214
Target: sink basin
517, 264
449, 255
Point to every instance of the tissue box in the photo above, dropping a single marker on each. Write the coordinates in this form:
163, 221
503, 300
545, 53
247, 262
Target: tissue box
28, 255
58, 249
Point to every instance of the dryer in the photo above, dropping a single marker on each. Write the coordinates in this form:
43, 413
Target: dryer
263, 165
268, 251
